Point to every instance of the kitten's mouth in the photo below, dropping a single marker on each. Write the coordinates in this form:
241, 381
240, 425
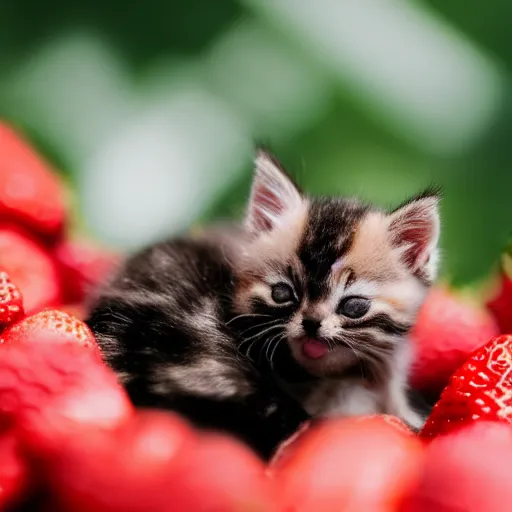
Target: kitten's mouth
321, 357
314, 348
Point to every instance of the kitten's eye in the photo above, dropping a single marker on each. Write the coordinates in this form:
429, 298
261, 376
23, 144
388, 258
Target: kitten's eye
282, 293
354, 307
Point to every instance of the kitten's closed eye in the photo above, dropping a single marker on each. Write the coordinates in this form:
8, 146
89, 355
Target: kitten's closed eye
282, 293
354, 307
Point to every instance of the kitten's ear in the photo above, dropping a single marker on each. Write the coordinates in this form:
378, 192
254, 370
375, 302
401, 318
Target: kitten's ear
414, 230
273, 194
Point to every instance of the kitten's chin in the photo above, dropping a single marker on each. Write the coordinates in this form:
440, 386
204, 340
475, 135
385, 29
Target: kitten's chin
317, 358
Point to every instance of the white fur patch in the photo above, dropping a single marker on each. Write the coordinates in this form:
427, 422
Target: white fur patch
350, 398
400, 298
362, 287
205, 318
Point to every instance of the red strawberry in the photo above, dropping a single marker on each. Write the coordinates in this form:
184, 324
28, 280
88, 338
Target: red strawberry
156, 462
11, 301
128, 469
13, 471
53, 325
448, 330
51, 391
206, 479
30, 267
30, 193
353, 465
501, 304
468, 470
83, 265
285, 448
480, 390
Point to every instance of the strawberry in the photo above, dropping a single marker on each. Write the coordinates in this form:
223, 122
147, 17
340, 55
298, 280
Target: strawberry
156, 462
480, 390
50, 391
53, 325
447, 331
11, 301
382, 465
468, 470
30, 267
131, 469
283, 449
13, 470
30, 193
501, 304
83, 265
206, 479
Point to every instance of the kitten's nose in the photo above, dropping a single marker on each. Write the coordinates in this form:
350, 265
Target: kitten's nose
310, 326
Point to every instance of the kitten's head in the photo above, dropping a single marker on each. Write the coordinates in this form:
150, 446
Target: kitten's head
338, 280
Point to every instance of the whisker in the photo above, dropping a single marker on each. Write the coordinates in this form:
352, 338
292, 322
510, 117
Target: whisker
269, 345
253, 342
384, 351
266, 344
270, 348
257, 337
361, 357
246, 315
268, 329
278, 342
245, 340
262, 324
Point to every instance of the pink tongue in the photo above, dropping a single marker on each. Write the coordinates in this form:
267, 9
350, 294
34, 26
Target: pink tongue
314, 349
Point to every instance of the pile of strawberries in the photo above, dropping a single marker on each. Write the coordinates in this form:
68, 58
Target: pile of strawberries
36, 248
71, 441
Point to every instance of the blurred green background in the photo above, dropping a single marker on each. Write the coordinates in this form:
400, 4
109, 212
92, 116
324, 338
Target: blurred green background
152, 109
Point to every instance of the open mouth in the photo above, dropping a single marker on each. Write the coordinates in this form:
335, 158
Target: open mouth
314, 348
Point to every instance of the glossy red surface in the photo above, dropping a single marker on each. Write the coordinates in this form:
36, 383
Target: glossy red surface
480, 390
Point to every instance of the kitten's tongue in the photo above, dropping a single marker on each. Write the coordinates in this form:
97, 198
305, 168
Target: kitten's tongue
314, 349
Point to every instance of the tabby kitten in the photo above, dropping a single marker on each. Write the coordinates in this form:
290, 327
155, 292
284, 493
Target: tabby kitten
301, 310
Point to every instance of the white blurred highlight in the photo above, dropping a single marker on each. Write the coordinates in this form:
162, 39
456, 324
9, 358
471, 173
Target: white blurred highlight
423, 79
267, 82
76, 88
156, 175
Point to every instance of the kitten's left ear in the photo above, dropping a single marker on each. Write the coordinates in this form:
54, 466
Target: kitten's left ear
414, 230
273, 194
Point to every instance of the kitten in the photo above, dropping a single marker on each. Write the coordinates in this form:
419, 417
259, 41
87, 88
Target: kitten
301, 310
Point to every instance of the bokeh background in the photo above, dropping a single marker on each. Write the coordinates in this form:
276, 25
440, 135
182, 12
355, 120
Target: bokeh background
151, 109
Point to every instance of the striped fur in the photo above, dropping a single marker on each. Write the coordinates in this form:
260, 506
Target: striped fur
191, 325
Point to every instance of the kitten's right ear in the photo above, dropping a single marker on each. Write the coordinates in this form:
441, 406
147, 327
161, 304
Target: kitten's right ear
414, 229
273, 194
